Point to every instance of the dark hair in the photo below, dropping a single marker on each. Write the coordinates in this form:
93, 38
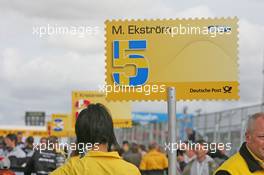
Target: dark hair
95, 125
201, 141
30, 140
180, 152
12, 137
43, 138
53, 139
134, 148
153, 145
125, 142
142, 147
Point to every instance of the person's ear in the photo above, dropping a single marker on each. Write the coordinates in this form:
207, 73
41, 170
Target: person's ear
248, 136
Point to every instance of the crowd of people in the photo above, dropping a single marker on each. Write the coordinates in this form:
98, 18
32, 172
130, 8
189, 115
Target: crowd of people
154, 160
22, 158
26, 158
94, 125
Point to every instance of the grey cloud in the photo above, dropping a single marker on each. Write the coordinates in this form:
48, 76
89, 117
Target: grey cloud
39, 74
66, 9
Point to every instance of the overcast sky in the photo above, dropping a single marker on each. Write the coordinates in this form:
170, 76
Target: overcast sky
38, 74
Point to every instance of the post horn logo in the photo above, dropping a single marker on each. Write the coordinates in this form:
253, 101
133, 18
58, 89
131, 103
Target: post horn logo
227, 89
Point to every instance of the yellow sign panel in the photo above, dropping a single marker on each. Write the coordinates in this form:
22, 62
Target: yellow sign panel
60, 125
25, 133
120, 111
197, 57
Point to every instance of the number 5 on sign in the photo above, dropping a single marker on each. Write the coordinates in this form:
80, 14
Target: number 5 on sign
129, 53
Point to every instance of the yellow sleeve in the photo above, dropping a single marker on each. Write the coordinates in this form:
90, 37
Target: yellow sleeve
143, 165
66, 169
137, 172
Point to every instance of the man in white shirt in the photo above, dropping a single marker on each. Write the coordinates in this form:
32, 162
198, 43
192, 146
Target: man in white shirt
202, 164
12, 148
13, 153
189, 154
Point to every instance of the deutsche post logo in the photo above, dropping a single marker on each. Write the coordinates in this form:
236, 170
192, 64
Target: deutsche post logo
227, 89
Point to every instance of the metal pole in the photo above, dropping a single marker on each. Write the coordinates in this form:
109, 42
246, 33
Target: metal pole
172, 128
262, 100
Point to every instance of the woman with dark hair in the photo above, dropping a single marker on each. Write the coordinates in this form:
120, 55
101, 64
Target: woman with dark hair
94, 126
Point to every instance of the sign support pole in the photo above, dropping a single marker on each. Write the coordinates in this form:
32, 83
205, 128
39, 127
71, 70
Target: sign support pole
172, 129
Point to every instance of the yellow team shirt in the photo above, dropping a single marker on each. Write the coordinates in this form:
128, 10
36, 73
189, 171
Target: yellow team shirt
97, 163
237, 165
154, 160
261, 162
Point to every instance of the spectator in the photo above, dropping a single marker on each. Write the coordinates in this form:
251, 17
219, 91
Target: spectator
218, 156
189, 154
125, 148
74, 153
133, 156
28, 149
180, 160
202, 164
192, 135
43, 140
2, 145
142, 150
60, 154
14, 153
12, 148
118, 149
20, 142
250, 158
94, 126
43, 161
154, 162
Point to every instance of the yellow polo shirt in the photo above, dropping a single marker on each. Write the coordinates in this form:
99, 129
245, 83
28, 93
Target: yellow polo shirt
97, 163
242, 163
154, 160
261, 162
